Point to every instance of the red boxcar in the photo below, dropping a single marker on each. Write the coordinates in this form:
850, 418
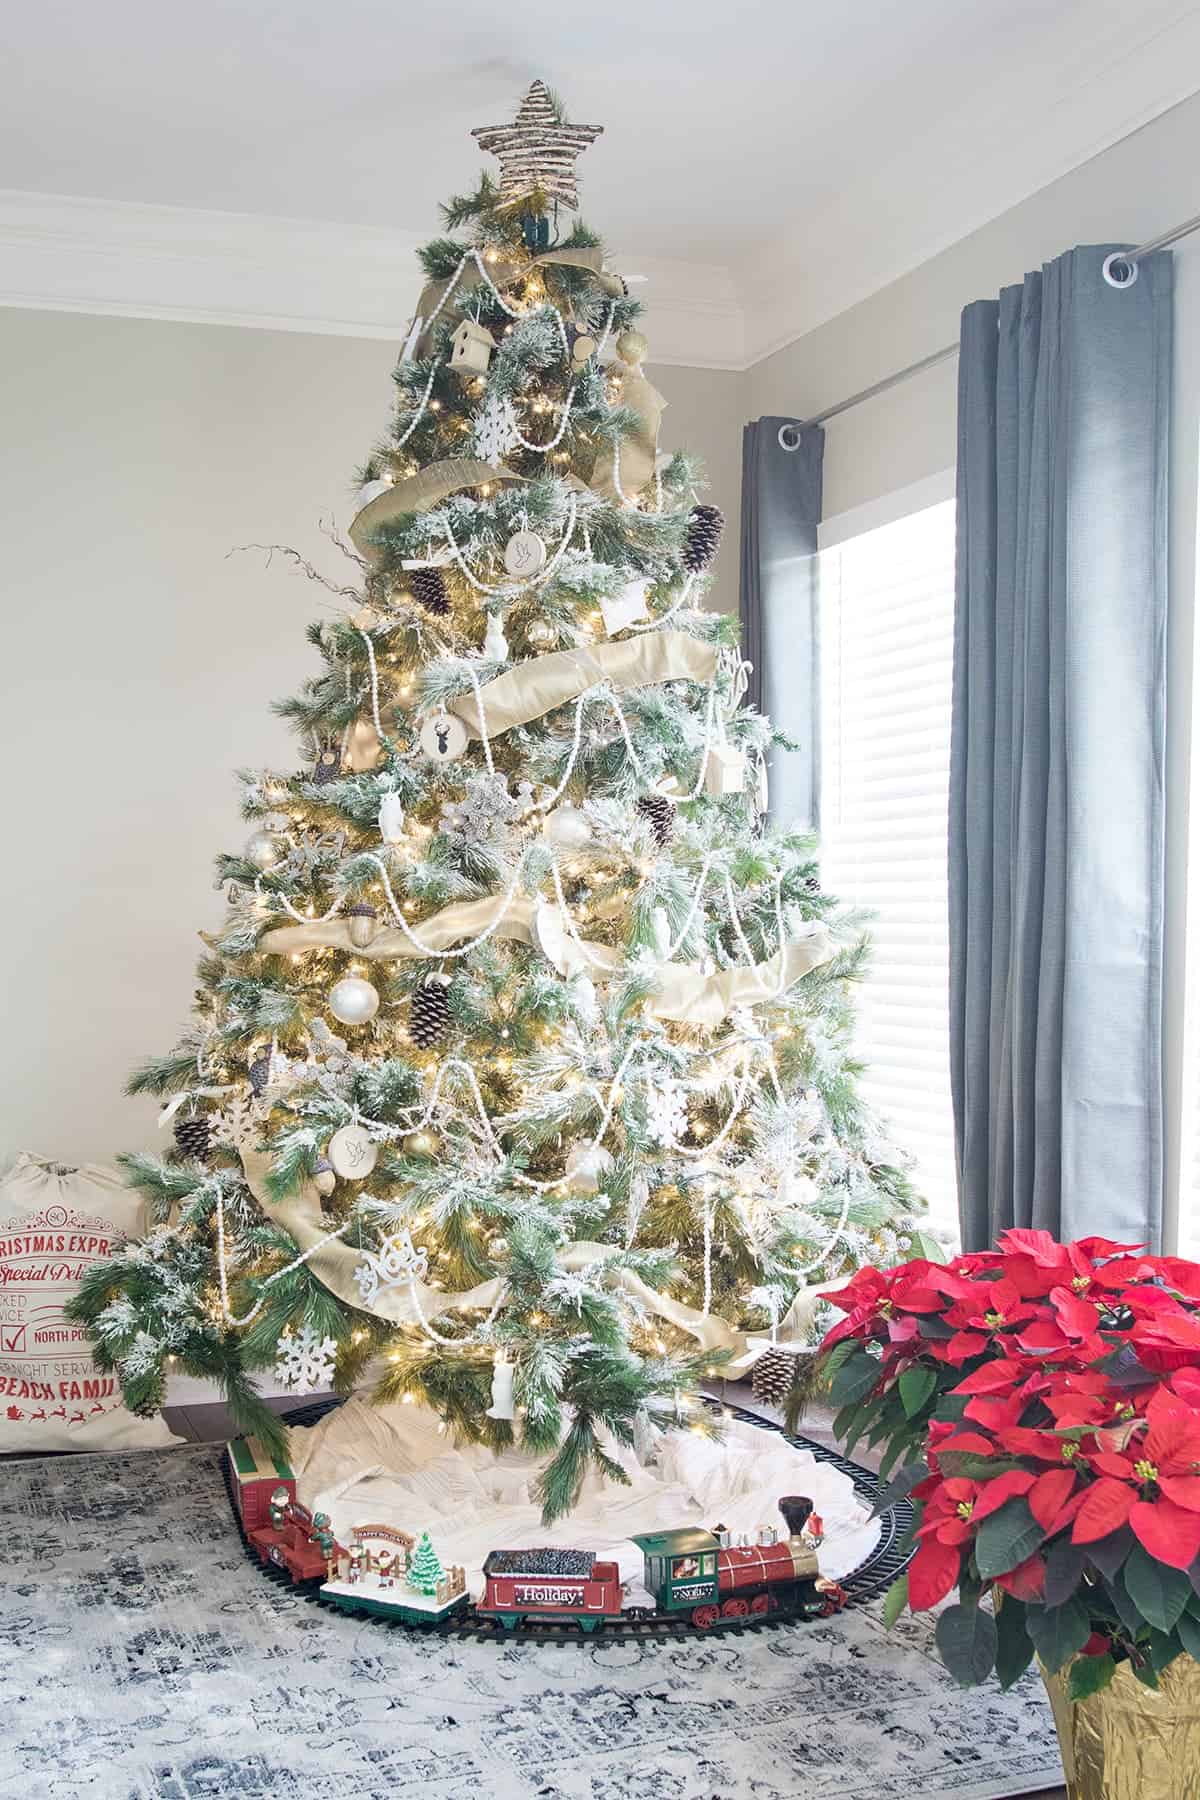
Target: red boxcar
550, 1584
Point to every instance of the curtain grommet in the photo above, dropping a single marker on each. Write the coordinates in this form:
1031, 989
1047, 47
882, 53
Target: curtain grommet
790, 437
1119, 269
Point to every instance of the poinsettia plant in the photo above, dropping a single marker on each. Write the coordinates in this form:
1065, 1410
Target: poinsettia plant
1044, 1399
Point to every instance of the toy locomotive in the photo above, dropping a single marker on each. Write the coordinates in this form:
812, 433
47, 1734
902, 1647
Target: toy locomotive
705, 1575
694, 1574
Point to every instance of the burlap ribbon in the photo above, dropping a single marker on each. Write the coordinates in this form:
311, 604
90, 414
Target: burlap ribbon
334, 1265
420, 493
592, 260
634, 458
683, 995
533, 688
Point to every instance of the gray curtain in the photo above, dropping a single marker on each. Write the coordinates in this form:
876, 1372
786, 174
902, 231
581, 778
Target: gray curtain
781, 507
1056, 784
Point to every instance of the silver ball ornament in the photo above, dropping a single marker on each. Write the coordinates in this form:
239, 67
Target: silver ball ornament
567, 827
497, 1247
353, 1001
540, 634
262, 849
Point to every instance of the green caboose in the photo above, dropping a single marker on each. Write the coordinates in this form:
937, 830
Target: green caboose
681, 1568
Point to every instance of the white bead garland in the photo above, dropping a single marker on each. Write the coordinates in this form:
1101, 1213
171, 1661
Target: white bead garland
511, 588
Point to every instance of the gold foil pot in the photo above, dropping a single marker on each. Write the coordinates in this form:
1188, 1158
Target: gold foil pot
1130, 1742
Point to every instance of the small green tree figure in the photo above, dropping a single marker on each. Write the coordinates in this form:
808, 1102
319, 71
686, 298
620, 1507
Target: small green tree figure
424, 1570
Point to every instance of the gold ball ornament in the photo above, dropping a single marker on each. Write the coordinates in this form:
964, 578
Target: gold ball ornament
632, 348
422, 1143
366, 618
497, 1247
541, 634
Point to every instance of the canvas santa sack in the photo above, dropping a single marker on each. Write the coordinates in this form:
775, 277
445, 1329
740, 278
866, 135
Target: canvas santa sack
55, 1222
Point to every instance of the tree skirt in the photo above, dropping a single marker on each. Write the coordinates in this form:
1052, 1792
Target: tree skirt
140, 1663
390, 1465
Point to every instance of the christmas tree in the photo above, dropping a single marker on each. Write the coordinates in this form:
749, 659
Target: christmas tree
424, 1569
521, 1066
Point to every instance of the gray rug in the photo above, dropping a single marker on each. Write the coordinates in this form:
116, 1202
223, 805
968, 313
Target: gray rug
140, 1656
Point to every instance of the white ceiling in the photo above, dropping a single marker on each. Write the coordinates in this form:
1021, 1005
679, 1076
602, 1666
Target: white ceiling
801, 155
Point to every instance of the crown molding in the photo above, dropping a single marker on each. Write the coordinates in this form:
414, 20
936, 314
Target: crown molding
63, 253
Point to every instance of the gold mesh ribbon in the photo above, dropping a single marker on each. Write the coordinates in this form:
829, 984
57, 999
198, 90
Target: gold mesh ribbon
533, 688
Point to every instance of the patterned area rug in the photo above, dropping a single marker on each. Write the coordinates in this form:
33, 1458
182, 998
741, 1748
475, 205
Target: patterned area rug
141, 1658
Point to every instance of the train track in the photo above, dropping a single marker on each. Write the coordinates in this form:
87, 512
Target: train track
872, 1577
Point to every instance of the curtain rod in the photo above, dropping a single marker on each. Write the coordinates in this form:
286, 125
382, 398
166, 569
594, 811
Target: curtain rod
1120, 271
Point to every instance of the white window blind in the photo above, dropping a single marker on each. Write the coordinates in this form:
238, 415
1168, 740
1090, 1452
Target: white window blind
887, 637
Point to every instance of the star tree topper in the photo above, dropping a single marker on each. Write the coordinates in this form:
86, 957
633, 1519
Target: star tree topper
538, 150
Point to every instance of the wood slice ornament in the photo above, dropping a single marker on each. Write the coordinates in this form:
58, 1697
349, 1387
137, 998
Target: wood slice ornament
443, 738
524, 554
352, 1155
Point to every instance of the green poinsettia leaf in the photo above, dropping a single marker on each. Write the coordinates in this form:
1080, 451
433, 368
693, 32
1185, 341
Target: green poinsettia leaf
917, 1386
895, 1600
855, 1379
1089, 1674
966, 1641
1014, 1646
1059, 1632
1007, 1537
1159, 1593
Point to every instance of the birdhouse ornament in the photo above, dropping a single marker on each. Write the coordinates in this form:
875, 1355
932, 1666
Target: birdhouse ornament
471, 349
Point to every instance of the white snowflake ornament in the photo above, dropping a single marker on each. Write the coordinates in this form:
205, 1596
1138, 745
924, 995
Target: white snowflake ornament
305, 1361
496, 429
666, 1111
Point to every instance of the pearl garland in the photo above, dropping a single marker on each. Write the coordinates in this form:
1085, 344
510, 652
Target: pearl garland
510, 588
222, 1277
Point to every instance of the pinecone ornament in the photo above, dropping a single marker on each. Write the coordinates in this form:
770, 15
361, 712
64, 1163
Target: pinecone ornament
774, 1373
429, 1014
704, 528
260, 1073
193, 1136
657, 809
429, 588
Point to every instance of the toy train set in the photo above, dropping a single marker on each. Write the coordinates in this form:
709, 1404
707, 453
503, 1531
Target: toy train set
698, 1579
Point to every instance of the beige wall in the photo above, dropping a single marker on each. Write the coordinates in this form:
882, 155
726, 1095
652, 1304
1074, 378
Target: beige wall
1141, 187
141, 659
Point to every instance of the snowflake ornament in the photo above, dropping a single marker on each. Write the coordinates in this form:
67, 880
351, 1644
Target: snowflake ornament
486, 811
239, 1123
666, 1111
496, 429
305, 1361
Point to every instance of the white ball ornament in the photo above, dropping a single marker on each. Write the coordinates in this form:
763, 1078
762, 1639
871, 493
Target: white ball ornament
262, 849
568, 828
586, 1164
443, 737
352, 1155
353, 1001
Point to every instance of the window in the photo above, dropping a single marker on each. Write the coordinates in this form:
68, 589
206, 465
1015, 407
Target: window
887, 638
